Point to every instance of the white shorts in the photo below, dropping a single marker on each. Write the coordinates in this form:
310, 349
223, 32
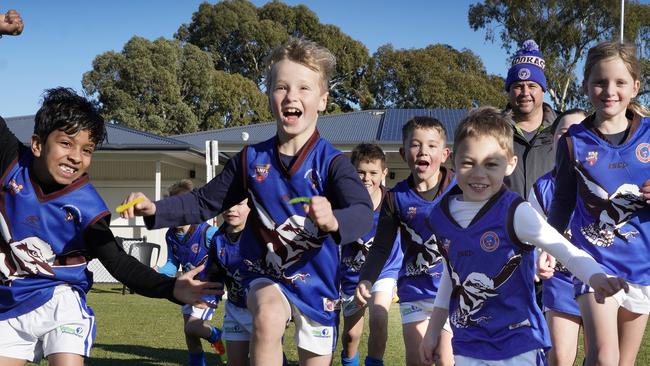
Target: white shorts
384, 285
350, 306
637, 300
193, 311
310, 335
237, 323
64, 324
416, 311
535, 357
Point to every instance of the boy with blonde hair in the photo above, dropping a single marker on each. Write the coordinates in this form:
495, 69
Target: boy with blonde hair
306, 198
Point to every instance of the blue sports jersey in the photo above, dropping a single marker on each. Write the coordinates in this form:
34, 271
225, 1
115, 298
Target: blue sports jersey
557, 291
353, 256
611, 220
492, 309
225, 253
280, 242
43, 238
190, 249
419, 276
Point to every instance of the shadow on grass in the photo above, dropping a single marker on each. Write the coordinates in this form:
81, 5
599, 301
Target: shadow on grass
112, 290
143, 355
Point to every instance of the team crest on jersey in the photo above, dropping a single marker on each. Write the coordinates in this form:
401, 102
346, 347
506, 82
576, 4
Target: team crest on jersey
446, 243
489, 241
592, 157
72, 213
15, 187
313, 176
261, 172
412, 211
195, 248
643, 152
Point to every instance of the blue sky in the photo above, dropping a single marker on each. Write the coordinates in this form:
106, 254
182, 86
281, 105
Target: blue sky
61, 38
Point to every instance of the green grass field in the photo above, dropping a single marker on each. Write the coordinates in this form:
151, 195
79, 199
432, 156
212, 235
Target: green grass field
134, 330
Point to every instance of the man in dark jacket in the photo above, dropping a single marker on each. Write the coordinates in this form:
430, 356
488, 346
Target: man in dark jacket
533, 138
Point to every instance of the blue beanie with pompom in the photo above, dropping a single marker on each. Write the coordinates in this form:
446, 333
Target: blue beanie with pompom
528, 64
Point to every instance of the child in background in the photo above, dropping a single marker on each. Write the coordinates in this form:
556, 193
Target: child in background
370, 162
307, 200
11, 23
603, 172
560, 307
405, 209
225, 254
53, 223
487, 235
188, 246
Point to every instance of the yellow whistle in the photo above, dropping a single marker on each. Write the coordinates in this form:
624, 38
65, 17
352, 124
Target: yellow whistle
128, 205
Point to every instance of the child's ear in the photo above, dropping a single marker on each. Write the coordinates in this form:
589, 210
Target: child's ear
446, 152
322, 103
512, 163
401, 153
37, 146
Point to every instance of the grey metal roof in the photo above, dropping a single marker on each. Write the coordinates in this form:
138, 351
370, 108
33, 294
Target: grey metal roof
337, 128
394, 119
118, 137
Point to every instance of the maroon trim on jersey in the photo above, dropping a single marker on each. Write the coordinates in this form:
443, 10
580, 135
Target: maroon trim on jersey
301, 155
42, 197
443, 183
9, 169
510, 225
633, 124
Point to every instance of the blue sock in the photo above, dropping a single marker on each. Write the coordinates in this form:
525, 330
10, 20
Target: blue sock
352, 361
215, 335
197, 359
371, 361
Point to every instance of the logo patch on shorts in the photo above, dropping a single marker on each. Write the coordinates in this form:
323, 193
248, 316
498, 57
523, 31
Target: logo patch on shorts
321, 333
411, 309
489, 241
233, 329
76, 331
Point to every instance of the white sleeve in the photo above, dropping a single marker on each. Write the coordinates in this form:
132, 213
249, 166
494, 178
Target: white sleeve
532, 198
531, 228
444, 290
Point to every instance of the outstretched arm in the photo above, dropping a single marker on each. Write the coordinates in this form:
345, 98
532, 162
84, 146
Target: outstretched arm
11, 23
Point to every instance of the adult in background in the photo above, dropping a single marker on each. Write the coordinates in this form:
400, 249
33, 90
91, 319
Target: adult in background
533, 135
11, 23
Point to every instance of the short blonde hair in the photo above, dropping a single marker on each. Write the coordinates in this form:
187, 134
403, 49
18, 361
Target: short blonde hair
487, 122
182, 186
307, 53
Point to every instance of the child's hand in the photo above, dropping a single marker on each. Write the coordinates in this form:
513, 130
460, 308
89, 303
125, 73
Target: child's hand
143, 208
362, 293
428, 355
605, 286
191, 291
645, 191
545, 265
11, 23
319, 210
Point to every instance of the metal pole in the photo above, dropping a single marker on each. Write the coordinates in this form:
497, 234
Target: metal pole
622, 19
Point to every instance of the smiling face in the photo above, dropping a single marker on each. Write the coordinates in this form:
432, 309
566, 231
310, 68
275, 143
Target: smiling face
372, 173
236, 215
610, 88
62, 158
564, 124
424, 151
296, 97
526, 98
481, 164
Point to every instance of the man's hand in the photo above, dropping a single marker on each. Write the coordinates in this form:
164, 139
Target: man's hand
192, 292
320, 211
11, 23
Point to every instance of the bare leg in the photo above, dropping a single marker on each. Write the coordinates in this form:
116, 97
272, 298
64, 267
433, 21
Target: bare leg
564, 330
601, 329
352, 332
631, 327
311, 359
378, 323
11, 361
65, 359
237, 352
270, 315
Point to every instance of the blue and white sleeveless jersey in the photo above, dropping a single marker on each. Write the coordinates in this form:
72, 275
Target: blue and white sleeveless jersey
42, 243
190, 250
419, 276
611, 220
557, 291
280, 242
492, 309
353, 256
226, 254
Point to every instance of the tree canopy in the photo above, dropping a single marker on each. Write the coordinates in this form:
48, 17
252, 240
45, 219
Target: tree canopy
564, 30
436, 76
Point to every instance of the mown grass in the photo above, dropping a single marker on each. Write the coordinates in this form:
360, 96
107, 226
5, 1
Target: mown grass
135, 330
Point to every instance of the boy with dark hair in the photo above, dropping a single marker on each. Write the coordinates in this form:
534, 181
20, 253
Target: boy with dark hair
188, 247
307, 198
405, 210
370, 162
487, 235
53, 222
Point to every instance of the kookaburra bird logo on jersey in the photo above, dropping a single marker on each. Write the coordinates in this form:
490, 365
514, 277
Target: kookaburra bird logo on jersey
358, 255
611, 212
29, 256
475, 290
423, 254
284, 244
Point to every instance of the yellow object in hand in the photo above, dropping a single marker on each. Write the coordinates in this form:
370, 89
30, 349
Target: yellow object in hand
128, 205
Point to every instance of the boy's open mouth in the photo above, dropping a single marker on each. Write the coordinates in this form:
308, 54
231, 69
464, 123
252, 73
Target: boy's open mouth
67, 170
291, 112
